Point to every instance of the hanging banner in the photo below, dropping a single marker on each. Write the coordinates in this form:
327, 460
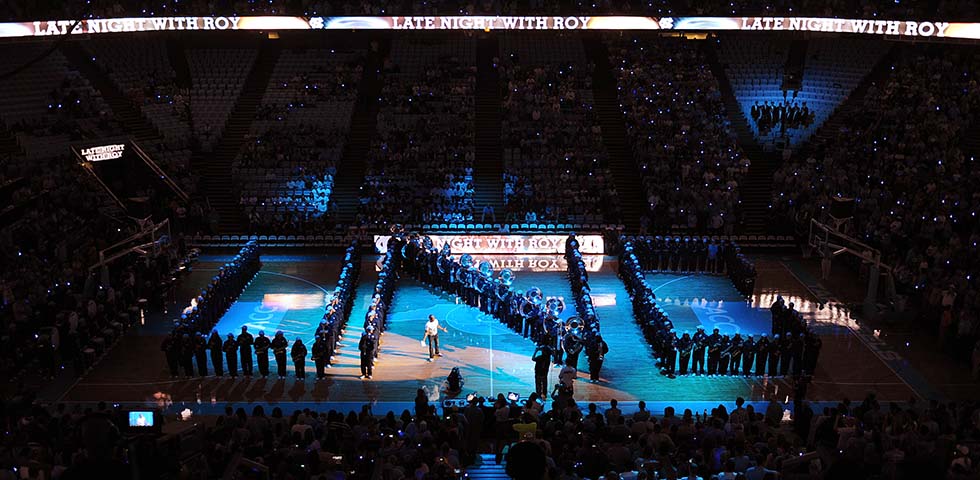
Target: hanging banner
897, 28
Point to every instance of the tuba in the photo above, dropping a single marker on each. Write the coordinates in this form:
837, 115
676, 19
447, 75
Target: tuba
501, 291
506, 276
554, 306
486, 269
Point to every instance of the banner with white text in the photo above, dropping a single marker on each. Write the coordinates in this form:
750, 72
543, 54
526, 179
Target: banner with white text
897, 28
506, 244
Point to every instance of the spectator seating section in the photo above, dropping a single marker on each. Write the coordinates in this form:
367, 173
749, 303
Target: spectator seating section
833, 68
285, 171
421, 164
141, 70
217, 77
555, 163
685, 148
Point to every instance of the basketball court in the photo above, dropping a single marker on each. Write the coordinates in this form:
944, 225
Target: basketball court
289, 294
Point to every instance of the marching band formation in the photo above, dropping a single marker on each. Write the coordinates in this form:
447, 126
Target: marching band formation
793, 348
186, 343
530, 313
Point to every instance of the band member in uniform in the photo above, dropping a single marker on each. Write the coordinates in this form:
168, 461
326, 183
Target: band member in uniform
736, 355
670, 348
714, 351
319, 355
330, 340
299, 358
245, 341
684, 347
171, 349
231, 355
761, 355
700, 341
542, 363
187, 355
785, 354
214, 344
201, 354
748, 355
775, 348
572, 344
725, 356
366, 346
262, 345
279, 346
596, 350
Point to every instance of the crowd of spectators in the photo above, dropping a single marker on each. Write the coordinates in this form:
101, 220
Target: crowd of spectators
869, 439
421, 166
683, 143
555, 164
899, 157
57, 314
287, 166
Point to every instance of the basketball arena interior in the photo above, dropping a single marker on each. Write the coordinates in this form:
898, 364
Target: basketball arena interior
619, 240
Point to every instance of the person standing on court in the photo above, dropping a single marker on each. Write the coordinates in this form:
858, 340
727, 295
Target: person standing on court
279, 346
748, 355
366, 346
201, 354
245, 341
761, 355
572, 343
231, 355
542, 363
684, 347
596, 350
432, 328
714, 351
214, 344
319, 355
187, 354
262, 344
171, 349
700, 341
299, 358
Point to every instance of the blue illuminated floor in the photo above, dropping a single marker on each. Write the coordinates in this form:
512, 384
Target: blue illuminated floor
288, 294
710, 301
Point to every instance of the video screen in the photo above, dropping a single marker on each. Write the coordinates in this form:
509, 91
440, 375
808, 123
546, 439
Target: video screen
141, 418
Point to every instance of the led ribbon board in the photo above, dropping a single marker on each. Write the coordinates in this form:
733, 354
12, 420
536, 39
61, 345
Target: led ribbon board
897, 28
506, 244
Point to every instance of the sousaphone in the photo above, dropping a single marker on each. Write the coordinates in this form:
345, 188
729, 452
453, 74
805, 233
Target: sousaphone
554, 306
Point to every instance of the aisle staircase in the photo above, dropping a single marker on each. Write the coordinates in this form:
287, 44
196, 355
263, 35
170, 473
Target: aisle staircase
486, 468
878, 74
123, 110
364, 125
218, 183
488, 169
626, 177
178, 62
755, 189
